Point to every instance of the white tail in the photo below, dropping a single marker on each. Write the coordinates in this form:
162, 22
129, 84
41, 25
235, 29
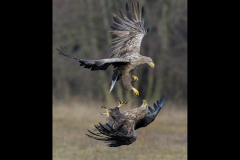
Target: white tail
113, 83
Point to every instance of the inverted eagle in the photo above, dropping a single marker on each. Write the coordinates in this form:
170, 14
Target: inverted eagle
125, 51
120, 128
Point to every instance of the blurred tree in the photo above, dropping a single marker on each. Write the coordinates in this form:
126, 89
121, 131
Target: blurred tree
84, 25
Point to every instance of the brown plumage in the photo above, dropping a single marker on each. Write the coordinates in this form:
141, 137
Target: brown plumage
125, 51
120, 128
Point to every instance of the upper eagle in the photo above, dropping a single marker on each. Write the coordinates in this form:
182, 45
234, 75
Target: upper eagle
120, 128
125, 51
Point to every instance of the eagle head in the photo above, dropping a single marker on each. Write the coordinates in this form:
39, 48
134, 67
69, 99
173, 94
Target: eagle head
144, 106
145, 103
147, 60
150, 62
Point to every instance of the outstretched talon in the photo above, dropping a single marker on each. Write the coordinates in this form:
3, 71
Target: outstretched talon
105, 108
107, 113
134, 78
122, 103
135, 91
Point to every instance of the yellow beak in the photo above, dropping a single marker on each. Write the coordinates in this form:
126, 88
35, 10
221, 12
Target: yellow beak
145, 102
152, 64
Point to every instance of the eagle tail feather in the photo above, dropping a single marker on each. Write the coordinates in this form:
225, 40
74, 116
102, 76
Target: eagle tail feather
113, 83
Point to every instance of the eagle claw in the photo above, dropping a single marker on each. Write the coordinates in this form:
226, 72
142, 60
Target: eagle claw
134, 78
122, 103
107, 113
135, 91
103, 106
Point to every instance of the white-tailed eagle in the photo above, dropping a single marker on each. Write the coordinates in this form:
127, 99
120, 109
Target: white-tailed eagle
125, 51
120, 128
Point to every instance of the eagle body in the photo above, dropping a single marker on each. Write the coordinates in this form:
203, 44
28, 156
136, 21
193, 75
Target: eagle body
136, 114
124, 70
120, 127
125, 50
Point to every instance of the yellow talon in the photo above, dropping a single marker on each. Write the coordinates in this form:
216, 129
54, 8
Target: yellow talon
135, 91
107, 113
121, 103
134, 78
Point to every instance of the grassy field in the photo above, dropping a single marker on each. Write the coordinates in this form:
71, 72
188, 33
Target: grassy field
165, 138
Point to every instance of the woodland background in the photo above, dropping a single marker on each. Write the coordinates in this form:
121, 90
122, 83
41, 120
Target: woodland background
78, 93
84, 25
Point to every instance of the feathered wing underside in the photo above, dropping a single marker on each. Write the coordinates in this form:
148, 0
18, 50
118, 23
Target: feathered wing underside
101, 64
130, 31
113, 137
151, 115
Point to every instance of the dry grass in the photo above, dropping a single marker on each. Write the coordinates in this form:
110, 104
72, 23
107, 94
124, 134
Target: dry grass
165, 138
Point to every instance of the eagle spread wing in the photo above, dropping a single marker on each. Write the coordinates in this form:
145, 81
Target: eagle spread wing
101, 64
151, 115
130, 31
113, 137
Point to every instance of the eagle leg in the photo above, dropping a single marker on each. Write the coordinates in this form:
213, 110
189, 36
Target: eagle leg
122, 103
126, 79
135, 91
134, 78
